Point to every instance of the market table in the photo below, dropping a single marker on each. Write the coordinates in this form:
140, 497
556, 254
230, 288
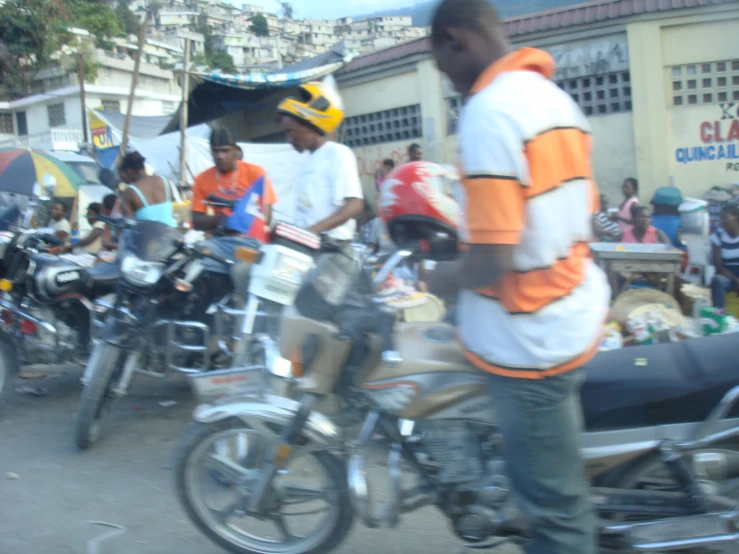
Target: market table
619, 257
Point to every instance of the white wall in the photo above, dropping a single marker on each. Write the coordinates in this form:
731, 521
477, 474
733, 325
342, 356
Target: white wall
614, 152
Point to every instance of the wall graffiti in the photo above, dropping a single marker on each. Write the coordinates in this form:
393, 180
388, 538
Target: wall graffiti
369, 158
591, 57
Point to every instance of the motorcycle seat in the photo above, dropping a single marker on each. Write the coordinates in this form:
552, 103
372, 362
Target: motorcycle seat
659, 384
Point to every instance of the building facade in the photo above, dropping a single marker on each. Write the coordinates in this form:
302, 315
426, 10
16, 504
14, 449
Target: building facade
659, 84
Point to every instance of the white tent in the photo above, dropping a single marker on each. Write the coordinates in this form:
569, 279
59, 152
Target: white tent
281, 161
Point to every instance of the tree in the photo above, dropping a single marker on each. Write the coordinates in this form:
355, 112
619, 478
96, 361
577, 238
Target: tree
98, 18
259, 25
287, 10
32, 30
203, 28
128, 20
224, 62
152, 10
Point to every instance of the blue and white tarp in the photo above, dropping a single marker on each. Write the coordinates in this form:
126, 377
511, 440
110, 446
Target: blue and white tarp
256, 81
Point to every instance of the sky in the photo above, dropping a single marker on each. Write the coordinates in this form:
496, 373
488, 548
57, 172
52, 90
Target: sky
329, 9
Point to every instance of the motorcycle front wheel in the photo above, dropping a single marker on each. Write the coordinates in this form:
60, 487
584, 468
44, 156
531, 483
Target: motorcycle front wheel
216, 466
97, 396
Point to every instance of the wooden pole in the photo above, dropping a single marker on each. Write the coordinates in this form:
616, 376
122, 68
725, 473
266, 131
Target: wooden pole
83, 97
183, 115
134, 83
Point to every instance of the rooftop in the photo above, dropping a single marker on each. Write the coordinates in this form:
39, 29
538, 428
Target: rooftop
561, 18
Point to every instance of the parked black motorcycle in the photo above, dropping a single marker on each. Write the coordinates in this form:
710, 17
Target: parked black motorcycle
46, 313
160, 322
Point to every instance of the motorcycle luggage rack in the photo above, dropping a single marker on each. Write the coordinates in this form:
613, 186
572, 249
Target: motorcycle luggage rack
201, 329
705, 435
173, 347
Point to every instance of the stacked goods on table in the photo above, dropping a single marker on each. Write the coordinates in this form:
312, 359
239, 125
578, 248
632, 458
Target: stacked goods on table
646, 316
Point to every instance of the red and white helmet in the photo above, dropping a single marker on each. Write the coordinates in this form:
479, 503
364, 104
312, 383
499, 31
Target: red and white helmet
417, 204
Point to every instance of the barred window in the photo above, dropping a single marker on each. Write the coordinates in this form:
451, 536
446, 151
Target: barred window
6, 123
112, 106
705, 83
385, 126
600, 94
56, 115
453, 109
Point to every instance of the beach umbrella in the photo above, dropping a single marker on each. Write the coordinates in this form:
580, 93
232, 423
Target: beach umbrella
21, 170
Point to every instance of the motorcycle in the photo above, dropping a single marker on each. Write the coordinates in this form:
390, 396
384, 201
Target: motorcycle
170, 315
661, 449
45, 304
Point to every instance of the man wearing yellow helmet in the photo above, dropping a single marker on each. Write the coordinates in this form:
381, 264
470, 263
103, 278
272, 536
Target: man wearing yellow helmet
328, 191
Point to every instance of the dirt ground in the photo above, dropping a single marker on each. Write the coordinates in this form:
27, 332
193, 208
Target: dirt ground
57, 500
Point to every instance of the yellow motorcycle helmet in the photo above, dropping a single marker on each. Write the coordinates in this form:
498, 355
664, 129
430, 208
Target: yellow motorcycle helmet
315, 107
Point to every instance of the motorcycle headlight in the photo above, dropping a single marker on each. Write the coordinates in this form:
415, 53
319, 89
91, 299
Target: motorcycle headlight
139, 272
292, 269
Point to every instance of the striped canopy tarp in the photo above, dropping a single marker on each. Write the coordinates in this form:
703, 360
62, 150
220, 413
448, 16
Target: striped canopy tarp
216, 95
255, 81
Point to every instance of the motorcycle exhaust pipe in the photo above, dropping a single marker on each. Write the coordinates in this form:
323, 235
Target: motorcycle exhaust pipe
716, 465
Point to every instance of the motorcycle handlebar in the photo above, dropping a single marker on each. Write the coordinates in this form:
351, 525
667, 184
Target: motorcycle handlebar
51, 239
215, 199
216, 258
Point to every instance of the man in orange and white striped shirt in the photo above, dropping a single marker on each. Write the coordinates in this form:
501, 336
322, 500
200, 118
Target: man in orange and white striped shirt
532, 302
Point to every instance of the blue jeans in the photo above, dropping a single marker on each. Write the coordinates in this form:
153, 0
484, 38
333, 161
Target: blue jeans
541, 422
225, 247
720, 285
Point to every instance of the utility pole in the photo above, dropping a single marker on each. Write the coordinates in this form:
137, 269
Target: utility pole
131, 96
83, 97
183, 115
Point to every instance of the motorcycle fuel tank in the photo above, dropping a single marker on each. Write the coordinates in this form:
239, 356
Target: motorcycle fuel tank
432, 380
49, 277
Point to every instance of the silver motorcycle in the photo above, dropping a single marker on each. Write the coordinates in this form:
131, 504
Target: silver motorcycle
662, 444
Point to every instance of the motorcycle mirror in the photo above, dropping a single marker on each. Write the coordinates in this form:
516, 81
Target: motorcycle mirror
245, 254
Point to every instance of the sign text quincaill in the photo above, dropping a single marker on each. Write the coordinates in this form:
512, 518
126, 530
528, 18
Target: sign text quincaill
720, 140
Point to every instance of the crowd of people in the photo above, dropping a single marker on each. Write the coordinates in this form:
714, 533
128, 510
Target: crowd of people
530, 300
631, 222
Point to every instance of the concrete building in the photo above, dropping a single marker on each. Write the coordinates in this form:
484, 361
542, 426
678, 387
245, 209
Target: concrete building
248, 51
178, 37
659, 83
51, 116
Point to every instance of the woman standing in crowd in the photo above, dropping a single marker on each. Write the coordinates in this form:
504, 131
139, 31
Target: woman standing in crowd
624, 217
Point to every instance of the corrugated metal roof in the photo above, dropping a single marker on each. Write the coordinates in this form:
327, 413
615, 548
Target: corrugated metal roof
579, 14
418, 46
592, 12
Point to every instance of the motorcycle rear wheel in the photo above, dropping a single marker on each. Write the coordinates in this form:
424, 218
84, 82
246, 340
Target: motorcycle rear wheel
196, 440
97, 397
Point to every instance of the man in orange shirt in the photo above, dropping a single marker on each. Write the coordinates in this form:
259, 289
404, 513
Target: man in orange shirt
231, 179
531, 301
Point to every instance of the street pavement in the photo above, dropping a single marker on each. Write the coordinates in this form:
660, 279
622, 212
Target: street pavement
55, 499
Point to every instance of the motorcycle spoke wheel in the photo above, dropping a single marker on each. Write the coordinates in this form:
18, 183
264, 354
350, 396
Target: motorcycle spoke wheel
97, 397
304, 512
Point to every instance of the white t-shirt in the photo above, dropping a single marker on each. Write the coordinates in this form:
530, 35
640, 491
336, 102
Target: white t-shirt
327, 180
61, 225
